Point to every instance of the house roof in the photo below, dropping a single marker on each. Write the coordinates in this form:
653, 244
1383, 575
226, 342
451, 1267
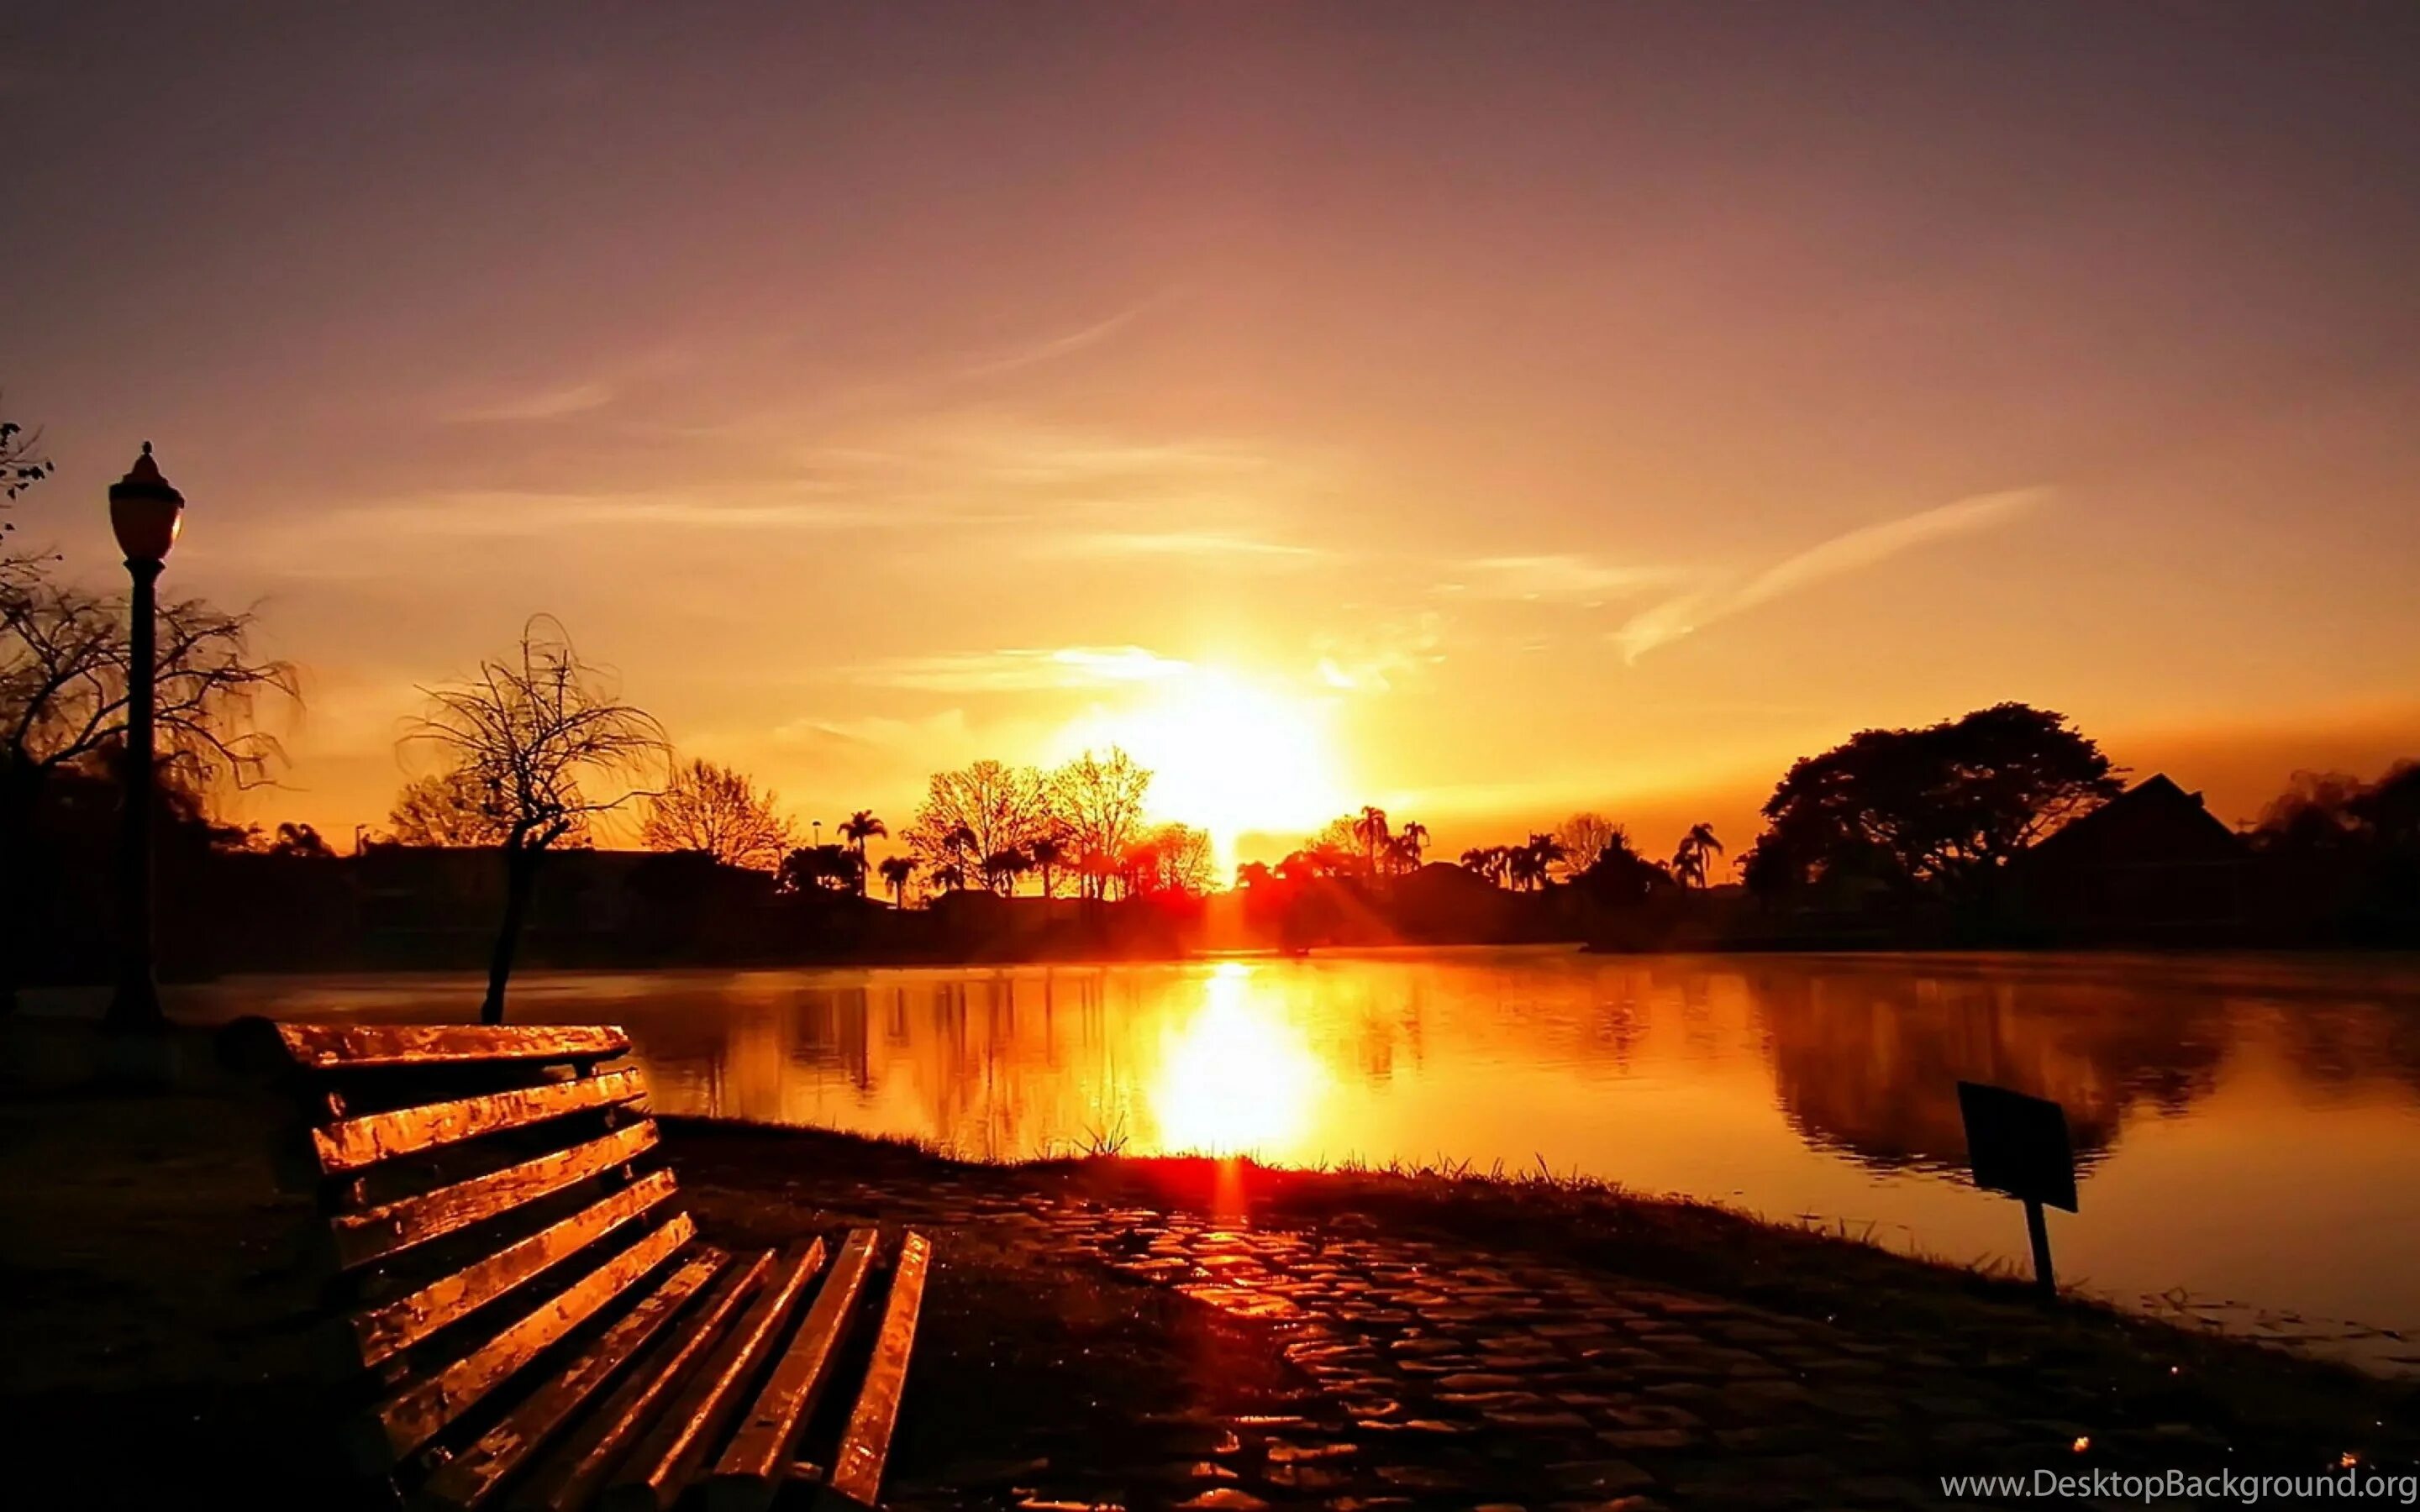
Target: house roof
2154, 821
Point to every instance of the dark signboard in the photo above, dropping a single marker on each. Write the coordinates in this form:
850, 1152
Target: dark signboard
2018, 1145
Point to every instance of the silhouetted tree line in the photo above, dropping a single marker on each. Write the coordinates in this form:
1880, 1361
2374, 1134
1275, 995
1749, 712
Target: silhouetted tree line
1965, 831
2340, 858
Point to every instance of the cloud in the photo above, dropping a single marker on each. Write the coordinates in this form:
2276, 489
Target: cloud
1377, 656
1184, 544
1858, 549
547, 404
1024, 669
1555, 576
1052, 348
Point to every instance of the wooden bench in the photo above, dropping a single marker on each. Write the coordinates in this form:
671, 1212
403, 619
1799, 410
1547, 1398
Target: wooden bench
520, 1313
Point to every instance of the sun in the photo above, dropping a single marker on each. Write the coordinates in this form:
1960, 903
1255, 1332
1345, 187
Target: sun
1227, 753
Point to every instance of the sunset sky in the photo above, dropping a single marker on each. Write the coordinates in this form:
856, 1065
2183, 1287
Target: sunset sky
1480, 410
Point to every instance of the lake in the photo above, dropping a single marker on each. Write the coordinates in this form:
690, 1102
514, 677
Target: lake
2249, 1126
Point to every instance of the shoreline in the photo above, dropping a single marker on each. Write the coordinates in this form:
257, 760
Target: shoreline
1103, 1328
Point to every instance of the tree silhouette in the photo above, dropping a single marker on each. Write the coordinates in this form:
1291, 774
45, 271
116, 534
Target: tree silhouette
1619, 875
1172, 859
1689, 861
856, 830
1001, 869
449, 808
976, 812
1584, 836
63, 665
897, 871
1048, 854
23, 464
1096, 806
300, 840
1941, 808
717, 810
820, 869
1370, 828
1528, 866
548, 738
1490, 861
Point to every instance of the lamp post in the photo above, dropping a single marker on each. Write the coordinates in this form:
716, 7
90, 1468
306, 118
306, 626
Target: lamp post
146, 513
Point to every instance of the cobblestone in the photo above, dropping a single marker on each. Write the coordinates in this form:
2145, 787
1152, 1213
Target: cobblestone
1451, 1377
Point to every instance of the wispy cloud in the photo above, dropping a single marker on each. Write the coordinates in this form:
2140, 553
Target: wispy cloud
1052, 349
1205, 544
545, 404
1024, 669
1379, 656
1858, 549
1558, 575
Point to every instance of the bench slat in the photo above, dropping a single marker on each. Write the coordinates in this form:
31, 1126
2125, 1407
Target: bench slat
376, 1046
469, 1480
379, 1232
383, 1331
660, 1468
761, 1454
355, 1143
412, 1417
857, 1468
570, 1476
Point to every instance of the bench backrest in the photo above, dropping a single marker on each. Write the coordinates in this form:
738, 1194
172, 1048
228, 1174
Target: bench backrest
486, 1192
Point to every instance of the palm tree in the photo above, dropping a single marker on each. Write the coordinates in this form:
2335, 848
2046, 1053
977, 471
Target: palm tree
949, 876
1490, 861
1403, 855
1001, 869
861, 826
1371, 831
1048, 854
1689, 863
1543, 851
1414, 838
897, 871
1523, 868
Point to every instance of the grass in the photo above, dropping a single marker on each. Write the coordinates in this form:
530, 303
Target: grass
1983, 1315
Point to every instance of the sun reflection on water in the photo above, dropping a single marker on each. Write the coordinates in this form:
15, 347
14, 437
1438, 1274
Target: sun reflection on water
1238, 1076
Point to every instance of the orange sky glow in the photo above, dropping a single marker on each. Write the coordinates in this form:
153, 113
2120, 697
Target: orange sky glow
1484, 413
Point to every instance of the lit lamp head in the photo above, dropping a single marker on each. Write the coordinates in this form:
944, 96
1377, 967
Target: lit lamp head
145, 511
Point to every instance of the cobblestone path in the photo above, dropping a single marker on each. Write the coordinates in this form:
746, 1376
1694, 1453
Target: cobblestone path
1449, 1376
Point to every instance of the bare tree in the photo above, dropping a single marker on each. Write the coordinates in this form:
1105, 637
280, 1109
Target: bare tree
1586, 836
979, 812
1096, 802
64, 668
716, 809
548, 738
1170, 858
448, 808
22, 465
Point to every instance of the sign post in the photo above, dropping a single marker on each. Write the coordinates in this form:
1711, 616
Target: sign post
2018, 1146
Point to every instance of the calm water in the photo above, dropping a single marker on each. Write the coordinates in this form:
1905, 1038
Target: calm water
2250, 1127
